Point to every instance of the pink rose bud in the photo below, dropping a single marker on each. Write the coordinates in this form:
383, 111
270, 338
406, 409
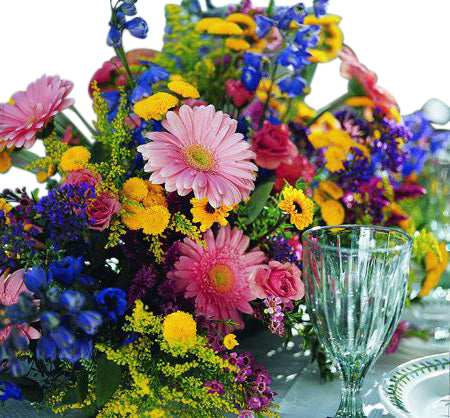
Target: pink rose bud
101, 210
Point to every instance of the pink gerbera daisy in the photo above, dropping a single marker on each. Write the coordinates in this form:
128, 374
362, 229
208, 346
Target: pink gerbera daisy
218, 276
10, 289
201, 153
29, 111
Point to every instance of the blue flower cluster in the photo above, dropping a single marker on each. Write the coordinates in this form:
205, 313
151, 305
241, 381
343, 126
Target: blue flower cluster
69, 318
320, 7
294, 56
425, 141
357, 171
9, 390
388, 152
137, 26
63, 212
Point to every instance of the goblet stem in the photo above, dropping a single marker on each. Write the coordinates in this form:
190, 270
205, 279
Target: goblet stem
351, 405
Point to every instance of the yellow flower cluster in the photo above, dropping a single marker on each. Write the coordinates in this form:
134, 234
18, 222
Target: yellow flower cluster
327, 196
330, 39
435, 267
230, 341
5, 161
298, 206
5, 208
146, 208
325, 133
155, 106
204, 213
180, 328
75, 158
184, 89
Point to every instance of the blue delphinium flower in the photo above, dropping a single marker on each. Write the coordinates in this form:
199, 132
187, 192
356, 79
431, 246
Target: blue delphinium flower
72, 300
152, 75
286, 15
112, 99
89, 321
111, 302
114, 38
137, 27
320, 7
36, 279
66, 270
307, 36
263, 25
46, 348
293, 86
291, 56
251, 78
9, 390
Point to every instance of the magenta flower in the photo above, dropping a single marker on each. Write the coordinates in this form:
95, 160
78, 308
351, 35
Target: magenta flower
218, 276
10, 288
31, 110
201, 153
396, 337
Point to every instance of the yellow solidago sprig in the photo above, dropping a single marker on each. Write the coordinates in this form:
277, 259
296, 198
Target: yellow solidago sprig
206, 215
168, 366
298, 206
155, 106
424, 242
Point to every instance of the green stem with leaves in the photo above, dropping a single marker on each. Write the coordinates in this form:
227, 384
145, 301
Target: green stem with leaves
85, 122
330, 107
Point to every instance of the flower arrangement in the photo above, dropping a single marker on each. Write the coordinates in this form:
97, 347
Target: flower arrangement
165, 237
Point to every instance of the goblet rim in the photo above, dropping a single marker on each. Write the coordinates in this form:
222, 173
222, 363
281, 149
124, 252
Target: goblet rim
401, 247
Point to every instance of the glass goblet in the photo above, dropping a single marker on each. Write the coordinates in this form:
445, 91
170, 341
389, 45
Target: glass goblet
356, 283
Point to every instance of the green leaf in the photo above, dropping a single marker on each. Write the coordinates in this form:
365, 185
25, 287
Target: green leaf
82, 385
355, 88
270, 8
70, 397
30, 389
257, 201
108, 380
300, 184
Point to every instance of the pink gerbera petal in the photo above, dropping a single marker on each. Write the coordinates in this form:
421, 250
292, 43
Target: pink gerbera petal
218, 276
32, 110
203, 154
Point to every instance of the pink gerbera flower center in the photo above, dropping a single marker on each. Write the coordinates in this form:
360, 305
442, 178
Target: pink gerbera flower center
221, 278
199, 158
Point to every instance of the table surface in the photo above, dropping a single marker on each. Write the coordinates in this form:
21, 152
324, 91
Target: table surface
301, 392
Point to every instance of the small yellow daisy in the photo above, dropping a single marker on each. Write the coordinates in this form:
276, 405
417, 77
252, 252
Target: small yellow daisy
298, 206
135, 188
155, 106
335, 158
206, 215
230, 341
225, 28
333, 213
237, 44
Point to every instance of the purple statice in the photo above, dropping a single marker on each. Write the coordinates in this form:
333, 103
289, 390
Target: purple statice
388, 139
64, 211
168, 290
358, 129
168, 308
280, 250
373, 200
256, 381
215, 387
142, 281
357, 171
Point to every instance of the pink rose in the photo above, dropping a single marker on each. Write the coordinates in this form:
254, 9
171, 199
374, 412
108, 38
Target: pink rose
279, 280
82, 176
101, 210
238, 92
273, 146
298, 168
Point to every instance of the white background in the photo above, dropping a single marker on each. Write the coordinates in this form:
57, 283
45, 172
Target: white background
406, 42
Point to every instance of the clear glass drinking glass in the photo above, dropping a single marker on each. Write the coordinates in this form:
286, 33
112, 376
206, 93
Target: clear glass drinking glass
356, 282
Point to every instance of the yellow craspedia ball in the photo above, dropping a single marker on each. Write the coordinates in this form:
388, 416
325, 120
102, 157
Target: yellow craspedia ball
135, 188
153, 199
153, 220
131, 218
5, 162
333, 213
155, 106
184, 89
179, 328
75, 158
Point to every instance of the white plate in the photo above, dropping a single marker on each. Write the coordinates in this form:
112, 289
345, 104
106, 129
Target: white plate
419, 388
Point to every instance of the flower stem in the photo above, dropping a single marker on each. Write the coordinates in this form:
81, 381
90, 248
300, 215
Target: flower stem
269, 96
271, 230
122, 56
85, 122
22, 157
329, 107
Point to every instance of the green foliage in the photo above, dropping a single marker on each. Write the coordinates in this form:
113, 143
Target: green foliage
257, 201
108, 380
